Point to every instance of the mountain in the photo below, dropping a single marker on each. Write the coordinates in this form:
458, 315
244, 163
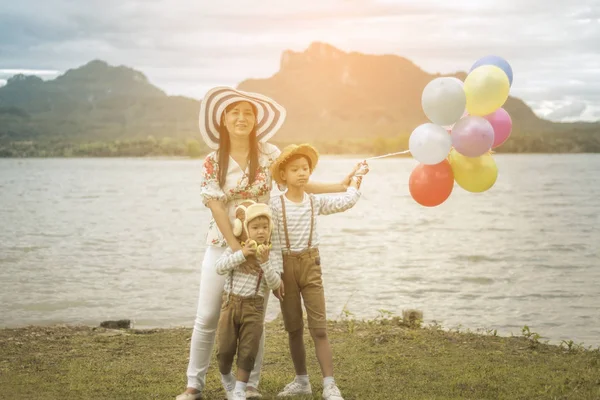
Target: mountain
351, 96
95, 103
342, 102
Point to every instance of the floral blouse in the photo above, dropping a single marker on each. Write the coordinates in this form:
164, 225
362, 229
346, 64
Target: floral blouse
236, 188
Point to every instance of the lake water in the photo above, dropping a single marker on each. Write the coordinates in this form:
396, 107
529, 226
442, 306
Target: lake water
86, 240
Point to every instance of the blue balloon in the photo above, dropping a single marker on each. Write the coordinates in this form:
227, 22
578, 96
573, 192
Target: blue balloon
498, 62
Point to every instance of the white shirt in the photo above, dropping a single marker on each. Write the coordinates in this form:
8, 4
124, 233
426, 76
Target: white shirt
298, 216
243, 284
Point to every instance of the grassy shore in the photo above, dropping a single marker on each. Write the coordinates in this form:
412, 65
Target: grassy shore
382, 359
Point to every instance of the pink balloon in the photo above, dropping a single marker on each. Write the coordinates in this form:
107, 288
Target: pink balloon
472, 136
502, 124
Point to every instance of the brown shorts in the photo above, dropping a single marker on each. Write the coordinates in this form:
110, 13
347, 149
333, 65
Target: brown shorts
242, 319
302, 282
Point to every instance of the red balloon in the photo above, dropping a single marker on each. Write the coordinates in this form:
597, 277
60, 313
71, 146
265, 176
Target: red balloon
431, 185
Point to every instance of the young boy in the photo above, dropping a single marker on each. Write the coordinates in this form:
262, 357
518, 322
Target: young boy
294, 216
242, 313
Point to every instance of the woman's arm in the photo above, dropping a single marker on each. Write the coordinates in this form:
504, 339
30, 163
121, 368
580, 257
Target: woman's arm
219, 213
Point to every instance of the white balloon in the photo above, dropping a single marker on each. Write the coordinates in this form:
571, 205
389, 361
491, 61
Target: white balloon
462, 84
444, 100
429, 144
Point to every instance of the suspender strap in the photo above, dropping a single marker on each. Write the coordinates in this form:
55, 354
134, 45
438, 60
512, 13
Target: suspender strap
285, 228
260, 275
312, 221
230, 286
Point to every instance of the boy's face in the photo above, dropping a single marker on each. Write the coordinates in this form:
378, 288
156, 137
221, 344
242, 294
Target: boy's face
296, 172
258, 229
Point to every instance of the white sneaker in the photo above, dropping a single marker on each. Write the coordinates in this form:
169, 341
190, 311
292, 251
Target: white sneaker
295, 389
331, 392
239, 395
229, 394
189, 396
253, 393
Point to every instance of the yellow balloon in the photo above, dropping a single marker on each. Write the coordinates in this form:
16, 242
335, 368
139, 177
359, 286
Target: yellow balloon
486, 88
476, 174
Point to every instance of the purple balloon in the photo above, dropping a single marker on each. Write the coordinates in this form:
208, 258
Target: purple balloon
472, 136
502, 125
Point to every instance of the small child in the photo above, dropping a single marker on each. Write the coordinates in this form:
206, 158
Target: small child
294, 216
242, 313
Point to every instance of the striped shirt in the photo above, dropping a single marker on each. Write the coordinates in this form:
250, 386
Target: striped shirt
244, 285
298, 216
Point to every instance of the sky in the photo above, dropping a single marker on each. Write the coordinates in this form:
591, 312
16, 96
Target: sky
185, 47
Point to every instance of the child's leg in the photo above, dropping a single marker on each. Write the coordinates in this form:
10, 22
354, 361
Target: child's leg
314, 301
254, 379
227, 344
313, 295
251, 330
242, 375
297, 351
291, 310
323, 350
227, 338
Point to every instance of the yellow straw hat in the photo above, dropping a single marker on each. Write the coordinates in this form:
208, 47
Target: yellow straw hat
292, 150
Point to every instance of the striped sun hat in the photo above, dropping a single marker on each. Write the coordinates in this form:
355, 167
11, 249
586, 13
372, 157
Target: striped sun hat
269, 119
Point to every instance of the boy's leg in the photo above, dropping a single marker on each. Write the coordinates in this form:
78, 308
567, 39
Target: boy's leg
313, 295
242, 375
314, 301
254, 379
297, 351
291, 310
227, 343
323, 350
251, 330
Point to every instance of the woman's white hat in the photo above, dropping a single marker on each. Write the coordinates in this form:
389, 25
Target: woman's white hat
270, 115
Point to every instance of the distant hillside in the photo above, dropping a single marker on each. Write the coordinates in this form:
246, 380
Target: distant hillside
352, 96
92, 105
342, 102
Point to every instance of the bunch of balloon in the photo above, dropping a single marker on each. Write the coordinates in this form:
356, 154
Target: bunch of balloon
467, 122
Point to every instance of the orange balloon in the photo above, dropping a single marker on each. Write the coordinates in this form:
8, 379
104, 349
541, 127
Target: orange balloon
431, 185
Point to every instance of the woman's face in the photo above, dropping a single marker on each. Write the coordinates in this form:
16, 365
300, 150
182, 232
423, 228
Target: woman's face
240, 120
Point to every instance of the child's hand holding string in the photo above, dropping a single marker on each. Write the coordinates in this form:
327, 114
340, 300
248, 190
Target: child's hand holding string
347, 181
361, 169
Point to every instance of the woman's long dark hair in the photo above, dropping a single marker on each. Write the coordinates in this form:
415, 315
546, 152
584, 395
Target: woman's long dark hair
225, 148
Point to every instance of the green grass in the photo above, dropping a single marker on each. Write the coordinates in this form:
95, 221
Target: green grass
382, 359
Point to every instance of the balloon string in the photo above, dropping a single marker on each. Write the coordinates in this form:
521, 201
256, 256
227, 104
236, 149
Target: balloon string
388, 155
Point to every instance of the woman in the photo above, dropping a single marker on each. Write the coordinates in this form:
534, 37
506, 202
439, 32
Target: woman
237, 125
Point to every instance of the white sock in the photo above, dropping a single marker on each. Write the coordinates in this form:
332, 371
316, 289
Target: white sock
240, 386
228, 381
302, 379
328, 380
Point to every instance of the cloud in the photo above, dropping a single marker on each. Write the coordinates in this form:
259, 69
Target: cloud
38, 72
187, 47
572, 110
2, 82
